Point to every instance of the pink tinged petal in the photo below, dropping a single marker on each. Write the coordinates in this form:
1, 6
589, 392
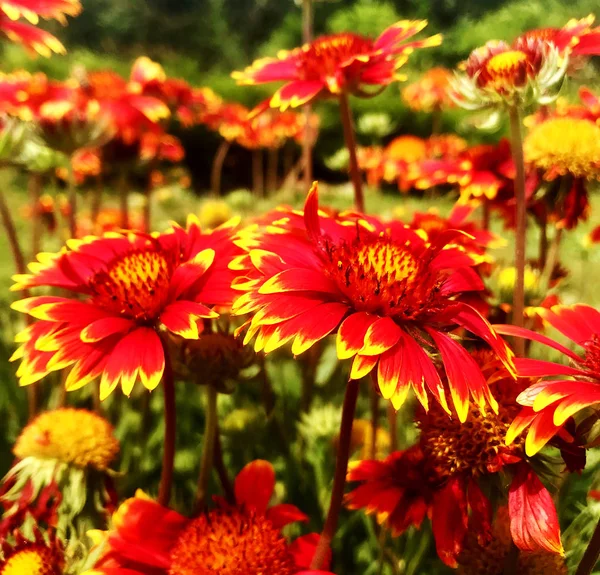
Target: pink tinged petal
450, 520
351, 335
513, 330
103, 328
139, 352
362, 366
540, 368
381, 336
533, 519
296, 94
579, 323
181, 318
582, 395
320, 322
464, 376
553, 391
298, 279
190, 272
284, 514
254, 485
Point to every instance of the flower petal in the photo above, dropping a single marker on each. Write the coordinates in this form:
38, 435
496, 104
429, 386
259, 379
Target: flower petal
254, 485
533, 519
351, 335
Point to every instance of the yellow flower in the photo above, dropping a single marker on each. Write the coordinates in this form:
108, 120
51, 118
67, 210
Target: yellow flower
213, 213
565, 146
74, 436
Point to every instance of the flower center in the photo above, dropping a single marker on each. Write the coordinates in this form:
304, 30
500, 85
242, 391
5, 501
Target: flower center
381, 276
506, 69
407, 149
475, 445
231, 542
135, 285
565, 146
73, 436
592, 354
323, 57
32, 561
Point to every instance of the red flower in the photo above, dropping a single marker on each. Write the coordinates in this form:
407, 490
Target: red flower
550, 403
240, 538
339, 63
132, 285
31, 37
390, 296
576, 37
446, 475
37, 557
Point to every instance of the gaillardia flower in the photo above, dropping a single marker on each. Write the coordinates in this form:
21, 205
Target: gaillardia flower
551, 403
131, 287
447, 475
341, 63
36, 40
37, 557
531, 70
391, 297
232, 539
63, 461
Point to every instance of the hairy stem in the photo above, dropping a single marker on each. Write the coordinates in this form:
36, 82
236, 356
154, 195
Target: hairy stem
348, 124
168, 386
210, 431
521, 224
217, 167
339, 479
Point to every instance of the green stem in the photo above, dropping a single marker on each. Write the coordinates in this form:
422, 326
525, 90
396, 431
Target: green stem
374, 400
72, 196
347, 123
521, 224
210, 430
339, 479
168, 386
592, 552
307, 36
222, 470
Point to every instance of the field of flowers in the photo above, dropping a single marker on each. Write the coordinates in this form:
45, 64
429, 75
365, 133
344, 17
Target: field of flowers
380, 361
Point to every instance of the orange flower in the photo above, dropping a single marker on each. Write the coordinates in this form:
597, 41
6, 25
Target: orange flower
551, 403
331, 65
244, 537
133, 285
446, 474
34, 39
391, 297
430, 92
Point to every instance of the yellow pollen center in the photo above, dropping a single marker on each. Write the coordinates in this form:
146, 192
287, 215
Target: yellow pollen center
231, 542
565, 146
73, 436
506, 61
31, 562
451, 447
135, 285
384, 277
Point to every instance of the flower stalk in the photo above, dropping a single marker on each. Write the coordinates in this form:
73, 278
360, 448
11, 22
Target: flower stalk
217, 167
72, 195
339, 479
347, 123
521, 223
591, 554
168, 386
208, 450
